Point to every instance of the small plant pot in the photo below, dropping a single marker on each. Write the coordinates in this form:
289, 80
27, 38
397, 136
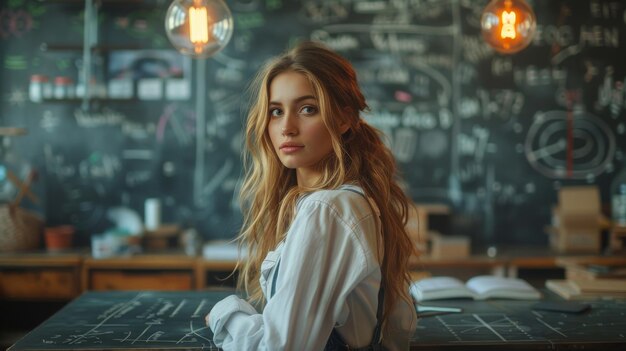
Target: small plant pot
59, 238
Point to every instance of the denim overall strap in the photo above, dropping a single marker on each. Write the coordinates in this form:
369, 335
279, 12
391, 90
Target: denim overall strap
273, 288
336, 341
377, 338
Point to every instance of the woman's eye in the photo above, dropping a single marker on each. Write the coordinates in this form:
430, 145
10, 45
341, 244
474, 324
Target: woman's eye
275, 112
309, 110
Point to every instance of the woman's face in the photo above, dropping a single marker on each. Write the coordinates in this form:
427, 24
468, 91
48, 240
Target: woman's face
298, 134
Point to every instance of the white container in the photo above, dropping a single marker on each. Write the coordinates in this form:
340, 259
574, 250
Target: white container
120, 88
177, 89
36, 87
63, 88
152, 208
150, 89
103, 246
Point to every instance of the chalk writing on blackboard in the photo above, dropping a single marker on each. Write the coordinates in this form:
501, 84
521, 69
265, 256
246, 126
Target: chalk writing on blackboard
484, 133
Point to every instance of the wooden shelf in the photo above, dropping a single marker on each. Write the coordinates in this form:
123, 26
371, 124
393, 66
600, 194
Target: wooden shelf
142, 261
40, 259
59, 276
590, 259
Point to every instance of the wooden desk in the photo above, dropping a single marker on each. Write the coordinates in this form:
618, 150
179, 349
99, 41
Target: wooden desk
166, 320
510, 260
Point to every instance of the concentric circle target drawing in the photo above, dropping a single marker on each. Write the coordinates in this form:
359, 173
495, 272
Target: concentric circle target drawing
577, 149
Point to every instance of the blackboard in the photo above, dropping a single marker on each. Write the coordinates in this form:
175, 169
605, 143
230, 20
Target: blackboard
152, 320
482, 132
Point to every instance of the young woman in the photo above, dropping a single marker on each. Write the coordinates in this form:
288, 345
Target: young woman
323, 218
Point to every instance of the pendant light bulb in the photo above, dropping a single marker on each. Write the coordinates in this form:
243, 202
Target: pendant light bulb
508, 26
199, 28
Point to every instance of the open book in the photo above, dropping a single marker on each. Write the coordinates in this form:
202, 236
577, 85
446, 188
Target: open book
477, 288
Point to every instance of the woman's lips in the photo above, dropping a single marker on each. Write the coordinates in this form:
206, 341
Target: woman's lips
289, 149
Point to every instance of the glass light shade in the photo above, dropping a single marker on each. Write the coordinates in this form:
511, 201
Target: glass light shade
508, 25
199, 28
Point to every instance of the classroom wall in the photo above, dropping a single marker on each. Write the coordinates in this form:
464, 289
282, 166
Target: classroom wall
482, 132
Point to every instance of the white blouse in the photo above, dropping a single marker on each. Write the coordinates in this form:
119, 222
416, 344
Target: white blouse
329, 276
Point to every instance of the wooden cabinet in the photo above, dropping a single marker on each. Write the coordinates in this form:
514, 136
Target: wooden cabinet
216, 273
40, 276
47, 276
140, 280
142, 272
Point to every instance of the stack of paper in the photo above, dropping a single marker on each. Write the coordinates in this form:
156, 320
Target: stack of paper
595, 271
581, 289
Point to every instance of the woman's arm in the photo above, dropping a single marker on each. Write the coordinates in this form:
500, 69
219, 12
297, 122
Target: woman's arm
321, 263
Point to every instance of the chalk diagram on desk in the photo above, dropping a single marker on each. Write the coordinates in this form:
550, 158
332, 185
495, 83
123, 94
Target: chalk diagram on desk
500, 327
488, 328
608, 323
136, 322
588, 141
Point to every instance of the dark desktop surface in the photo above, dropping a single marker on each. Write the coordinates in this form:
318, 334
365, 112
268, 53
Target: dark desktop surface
151, 320
514, 324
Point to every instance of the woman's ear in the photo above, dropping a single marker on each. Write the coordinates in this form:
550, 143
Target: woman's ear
344, 127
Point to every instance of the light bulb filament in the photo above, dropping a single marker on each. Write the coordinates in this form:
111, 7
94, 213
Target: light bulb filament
198, 28
508, 25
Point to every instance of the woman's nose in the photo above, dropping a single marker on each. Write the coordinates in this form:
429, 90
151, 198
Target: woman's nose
289, 126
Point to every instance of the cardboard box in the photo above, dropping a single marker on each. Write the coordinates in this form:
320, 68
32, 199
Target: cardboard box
561, 217
575, 240
418, 226
618, 239
161, 238
580, 200
577, 221
449, 246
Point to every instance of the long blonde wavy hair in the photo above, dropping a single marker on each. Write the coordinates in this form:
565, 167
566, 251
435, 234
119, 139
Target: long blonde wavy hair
269, 191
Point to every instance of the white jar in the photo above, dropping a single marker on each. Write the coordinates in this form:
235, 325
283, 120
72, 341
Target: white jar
63, 88
36, 87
